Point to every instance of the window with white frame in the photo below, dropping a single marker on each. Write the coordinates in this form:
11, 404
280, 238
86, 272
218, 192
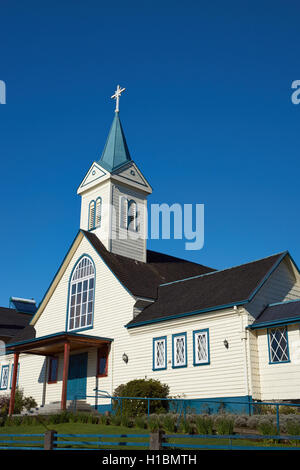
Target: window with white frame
123, 212
179, 350
132, 215
201, 347
160, 353
92, 207
98, 212
81, 303
278, 344
95, 208
4, 377
128, 214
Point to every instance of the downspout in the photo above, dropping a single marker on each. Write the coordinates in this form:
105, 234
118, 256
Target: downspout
244, 338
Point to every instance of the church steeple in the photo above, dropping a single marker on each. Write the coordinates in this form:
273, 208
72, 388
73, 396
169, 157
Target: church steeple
114, 196
115, 153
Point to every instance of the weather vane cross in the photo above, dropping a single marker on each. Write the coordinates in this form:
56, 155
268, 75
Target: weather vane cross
117, 95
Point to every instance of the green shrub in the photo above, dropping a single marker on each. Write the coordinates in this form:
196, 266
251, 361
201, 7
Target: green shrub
224, 425
22, 402
267, 428
126, 421
293, 428
140, 422
4, 405
204, 425
145, 389
115, 420
103, 419
288, 410
153, 424
169, 423
186, 426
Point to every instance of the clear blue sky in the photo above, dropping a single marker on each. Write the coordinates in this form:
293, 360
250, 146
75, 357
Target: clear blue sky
207, 114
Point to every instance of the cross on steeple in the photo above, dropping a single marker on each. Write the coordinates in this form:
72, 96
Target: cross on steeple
116, 96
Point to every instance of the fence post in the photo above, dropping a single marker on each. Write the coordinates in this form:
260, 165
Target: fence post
277, 420
156, 440
49, 440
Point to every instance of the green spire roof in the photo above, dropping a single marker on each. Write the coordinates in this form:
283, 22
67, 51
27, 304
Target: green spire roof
115, 153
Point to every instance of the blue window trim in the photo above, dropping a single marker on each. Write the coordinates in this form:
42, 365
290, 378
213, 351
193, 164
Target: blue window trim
153, 353
205, 330
269, 345
173, 351
11, 375
2, 369
77, 330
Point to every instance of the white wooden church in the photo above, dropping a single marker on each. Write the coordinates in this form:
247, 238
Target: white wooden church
116, 311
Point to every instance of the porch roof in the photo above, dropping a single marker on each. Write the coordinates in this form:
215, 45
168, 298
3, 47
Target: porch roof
54, 343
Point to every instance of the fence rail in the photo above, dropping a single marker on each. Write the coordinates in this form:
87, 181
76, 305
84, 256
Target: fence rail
185, 405
27, 444
153, 441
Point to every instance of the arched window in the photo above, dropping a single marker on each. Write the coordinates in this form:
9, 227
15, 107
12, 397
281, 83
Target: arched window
132, 215
92, 207
124, 212
98, 212
81, 304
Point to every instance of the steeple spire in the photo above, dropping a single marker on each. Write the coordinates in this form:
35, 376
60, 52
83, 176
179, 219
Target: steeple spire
115, 153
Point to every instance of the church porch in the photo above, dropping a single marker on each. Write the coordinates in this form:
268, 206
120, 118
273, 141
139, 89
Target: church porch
66, 345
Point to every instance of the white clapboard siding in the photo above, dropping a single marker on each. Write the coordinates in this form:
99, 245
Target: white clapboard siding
103, 191
282, 285
280, 381
224, 376
124, 242
31, 375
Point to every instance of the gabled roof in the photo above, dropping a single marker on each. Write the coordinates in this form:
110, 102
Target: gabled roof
142, 279
115, 153
278, 314
207, 292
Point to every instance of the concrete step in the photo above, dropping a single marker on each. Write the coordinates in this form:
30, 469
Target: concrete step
54, 408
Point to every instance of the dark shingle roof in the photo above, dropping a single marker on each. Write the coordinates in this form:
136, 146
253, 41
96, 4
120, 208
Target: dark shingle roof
211, 291
23, 335
143, 279
12, 322
278, 313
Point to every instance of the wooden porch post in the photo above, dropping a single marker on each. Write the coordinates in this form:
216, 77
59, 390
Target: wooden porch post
13, 385
65, 376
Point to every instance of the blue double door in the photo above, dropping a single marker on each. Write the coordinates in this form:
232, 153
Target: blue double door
76, 387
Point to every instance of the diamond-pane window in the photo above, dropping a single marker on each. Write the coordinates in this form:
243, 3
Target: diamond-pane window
4, 377
201, 347
179, 350
278, 345
160, 353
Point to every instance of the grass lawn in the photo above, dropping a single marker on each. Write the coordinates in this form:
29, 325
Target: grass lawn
111, 431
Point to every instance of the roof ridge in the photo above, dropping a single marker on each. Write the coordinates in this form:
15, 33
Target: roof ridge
283, 302
221, 270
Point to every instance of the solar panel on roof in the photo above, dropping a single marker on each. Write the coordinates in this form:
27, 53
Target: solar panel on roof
24, 305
